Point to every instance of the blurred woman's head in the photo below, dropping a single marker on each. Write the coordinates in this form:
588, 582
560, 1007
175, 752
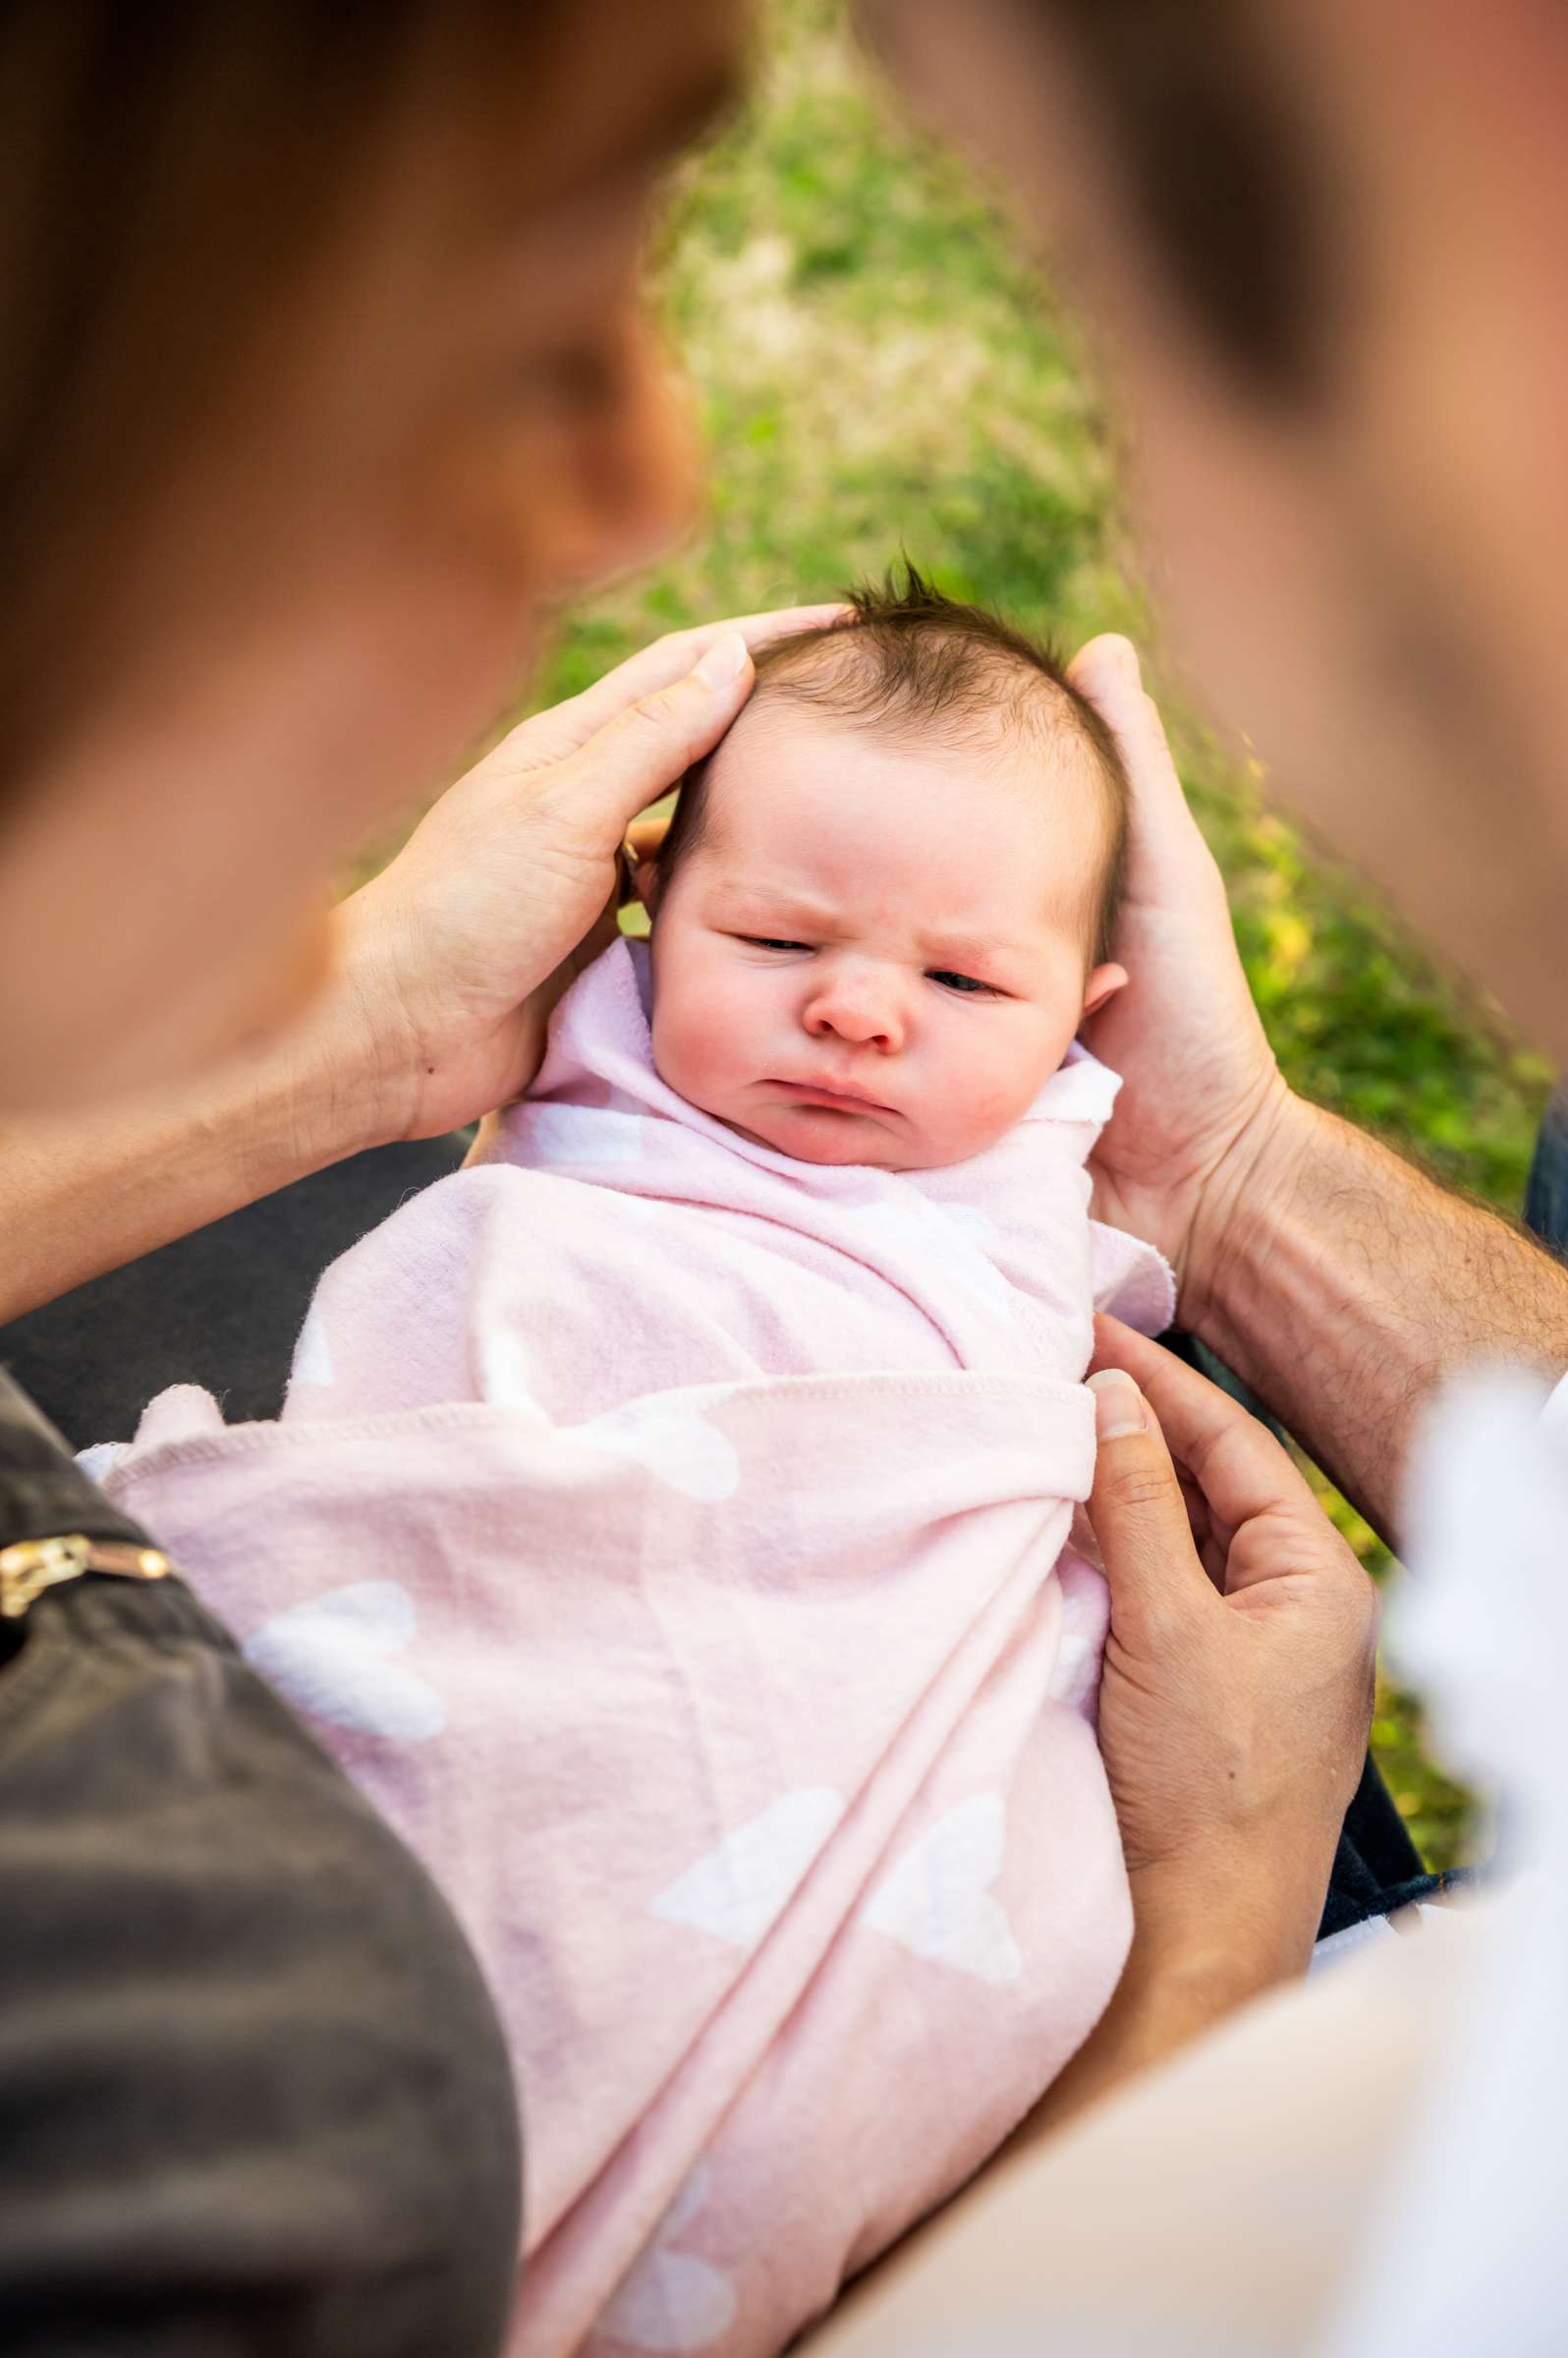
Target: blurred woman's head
1324, 240
321, 373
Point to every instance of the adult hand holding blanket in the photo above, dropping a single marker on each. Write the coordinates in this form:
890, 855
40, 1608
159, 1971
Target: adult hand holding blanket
1227, 1582
1226, 1579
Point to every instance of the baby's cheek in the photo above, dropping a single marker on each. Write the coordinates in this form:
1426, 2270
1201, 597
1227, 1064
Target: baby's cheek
992, 1087
689, 1045
670, 1043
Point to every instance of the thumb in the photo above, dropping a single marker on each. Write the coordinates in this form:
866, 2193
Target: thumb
1106, 671
1137, 1510
645, 750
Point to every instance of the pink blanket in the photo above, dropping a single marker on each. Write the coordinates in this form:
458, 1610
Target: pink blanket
672, 1539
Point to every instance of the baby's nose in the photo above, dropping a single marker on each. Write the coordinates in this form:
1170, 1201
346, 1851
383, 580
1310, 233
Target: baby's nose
860, 1009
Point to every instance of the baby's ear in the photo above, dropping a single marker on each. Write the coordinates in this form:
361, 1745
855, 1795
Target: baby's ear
639, 876
1103, 985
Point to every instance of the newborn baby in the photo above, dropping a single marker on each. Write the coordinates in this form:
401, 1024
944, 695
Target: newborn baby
669, 1516
885, 903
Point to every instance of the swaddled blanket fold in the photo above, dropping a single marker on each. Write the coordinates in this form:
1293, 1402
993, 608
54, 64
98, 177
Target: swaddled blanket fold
701, 1608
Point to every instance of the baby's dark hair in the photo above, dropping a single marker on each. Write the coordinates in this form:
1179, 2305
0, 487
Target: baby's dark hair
906, 656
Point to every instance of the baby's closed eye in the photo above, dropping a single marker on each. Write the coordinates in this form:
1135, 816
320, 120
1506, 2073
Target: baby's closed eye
969, 983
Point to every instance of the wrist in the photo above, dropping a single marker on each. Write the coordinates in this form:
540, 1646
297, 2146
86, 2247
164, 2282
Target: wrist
335, 1082
1234, 1921
87, 1192
1201, 1951
1209, 1936
1240, 1207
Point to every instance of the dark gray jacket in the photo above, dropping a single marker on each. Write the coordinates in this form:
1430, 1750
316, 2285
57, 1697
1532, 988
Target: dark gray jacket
254, 2096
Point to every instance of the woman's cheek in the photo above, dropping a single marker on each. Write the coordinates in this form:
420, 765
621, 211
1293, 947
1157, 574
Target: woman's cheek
597, 472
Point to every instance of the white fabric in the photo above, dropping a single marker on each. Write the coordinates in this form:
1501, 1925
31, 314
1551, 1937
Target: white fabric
1469, 2252
1352, 1937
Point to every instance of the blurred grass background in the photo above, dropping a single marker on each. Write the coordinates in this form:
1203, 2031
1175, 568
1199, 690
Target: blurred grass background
876, 368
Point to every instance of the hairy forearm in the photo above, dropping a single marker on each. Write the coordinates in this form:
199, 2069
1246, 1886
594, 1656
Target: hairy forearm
84, 1195
1345, 1287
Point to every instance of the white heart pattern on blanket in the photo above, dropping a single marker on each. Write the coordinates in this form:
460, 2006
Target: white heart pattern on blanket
936, 1901
586, 1135
738, 1890
505, 1373
100, 1462
1076, 1667
670, 1438
671, 2300
930, 1237
331, 1657
313, 1353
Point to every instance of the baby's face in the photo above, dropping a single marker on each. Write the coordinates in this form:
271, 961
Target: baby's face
876, 953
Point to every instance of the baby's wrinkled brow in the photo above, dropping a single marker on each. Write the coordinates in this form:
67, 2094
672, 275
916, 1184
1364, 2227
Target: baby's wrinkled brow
973, 949
778, 903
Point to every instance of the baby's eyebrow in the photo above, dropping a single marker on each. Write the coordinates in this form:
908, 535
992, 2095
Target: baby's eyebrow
778, 906
962, 950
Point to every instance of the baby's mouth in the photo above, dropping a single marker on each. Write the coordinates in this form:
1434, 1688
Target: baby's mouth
843, 1100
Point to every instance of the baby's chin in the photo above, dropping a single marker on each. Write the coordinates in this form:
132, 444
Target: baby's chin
848, 1139
850, 1144
818, 1134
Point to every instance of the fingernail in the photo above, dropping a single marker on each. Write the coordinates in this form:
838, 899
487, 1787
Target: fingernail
722, 661
1127, 666
1118, 1404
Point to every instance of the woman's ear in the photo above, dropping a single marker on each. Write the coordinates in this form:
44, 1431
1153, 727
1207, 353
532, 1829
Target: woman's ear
1103, 985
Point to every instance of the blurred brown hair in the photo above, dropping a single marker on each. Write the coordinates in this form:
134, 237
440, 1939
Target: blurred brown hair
909, 658
172, 174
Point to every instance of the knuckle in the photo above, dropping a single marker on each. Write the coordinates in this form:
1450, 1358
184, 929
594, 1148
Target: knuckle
1162, 1628
1136, 1485
652, 711
658, 718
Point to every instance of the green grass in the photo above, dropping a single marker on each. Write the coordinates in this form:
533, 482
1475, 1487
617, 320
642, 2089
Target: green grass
876, 369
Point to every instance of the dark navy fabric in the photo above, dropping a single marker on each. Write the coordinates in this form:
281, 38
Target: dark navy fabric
1546, 1195
221, 1308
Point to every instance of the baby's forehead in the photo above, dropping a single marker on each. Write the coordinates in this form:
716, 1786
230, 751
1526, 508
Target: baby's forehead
815, 813
1040, 785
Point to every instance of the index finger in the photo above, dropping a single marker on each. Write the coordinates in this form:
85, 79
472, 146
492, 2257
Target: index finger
572, 723
1236, 1461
